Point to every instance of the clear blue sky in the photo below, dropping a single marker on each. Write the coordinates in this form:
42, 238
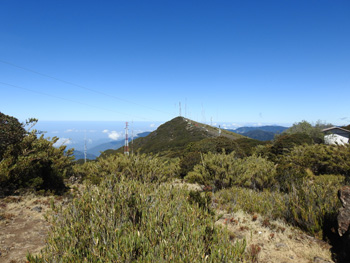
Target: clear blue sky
233, 61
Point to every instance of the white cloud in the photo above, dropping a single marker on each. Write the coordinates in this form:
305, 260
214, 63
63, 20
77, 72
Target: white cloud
152, 125
114, 135
69, 130
63, 141
105, 131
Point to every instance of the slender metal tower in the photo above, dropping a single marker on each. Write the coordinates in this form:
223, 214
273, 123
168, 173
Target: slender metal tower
85, 148
132, 138
126, 146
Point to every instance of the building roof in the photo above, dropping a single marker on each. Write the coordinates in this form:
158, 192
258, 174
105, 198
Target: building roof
335, 128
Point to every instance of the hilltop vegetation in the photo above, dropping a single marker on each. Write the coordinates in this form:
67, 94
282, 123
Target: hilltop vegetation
172, 137
130, 210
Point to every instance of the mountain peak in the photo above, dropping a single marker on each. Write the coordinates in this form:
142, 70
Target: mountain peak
175, 135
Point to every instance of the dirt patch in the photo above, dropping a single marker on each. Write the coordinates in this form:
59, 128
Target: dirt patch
23, 227
188, 186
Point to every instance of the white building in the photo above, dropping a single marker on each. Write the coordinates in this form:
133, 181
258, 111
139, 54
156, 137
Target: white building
336, 135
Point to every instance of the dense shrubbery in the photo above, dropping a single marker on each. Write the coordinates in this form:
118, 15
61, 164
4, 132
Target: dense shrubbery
29, 162
188, 161
312, 131
321, 159
222, 171
141, 167
35, 164
11, 132
242, 146
283, 144
308, 176
267, 203
313, 201
306, 206
128, 221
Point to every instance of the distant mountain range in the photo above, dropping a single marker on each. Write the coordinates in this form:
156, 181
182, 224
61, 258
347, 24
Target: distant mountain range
271, 128
80, 155
262, 133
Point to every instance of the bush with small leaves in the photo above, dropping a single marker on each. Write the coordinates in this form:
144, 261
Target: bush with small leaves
34, 163
124, 220
141, 167
312, 201
322, 159
307, 205
223, 171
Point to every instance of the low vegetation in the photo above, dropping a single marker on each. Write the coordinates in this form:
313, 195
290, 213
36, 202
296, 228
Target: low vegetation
130, 210
124, 220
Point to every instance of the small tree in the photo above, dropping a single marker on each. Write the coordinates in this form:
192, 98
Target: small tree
11, 132
304, 127
27, 161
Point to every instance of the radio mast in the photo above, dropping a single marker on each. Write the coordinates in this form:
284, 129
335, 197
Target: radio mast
126, 146
132, 138
85, 148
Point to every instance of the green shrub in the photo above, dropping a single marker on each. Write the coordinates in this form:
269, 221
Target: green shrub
202, 199
312, 201
314, 132
322, 159
267, 203
188, 161
129, 221
285, 142
306, 206
11, 132
242, 146
258, 173
34, 163
288, 175
141, 167
215, 145
223, 171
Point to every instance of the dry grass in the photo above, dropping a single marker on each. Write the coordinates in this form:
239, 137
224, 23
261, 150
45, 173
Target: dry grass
273, 240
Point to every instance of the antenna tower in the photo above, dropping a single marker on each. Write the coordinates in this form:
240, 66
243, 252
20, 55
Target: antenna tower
126, 146
180, 109
85, 148
132, 137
